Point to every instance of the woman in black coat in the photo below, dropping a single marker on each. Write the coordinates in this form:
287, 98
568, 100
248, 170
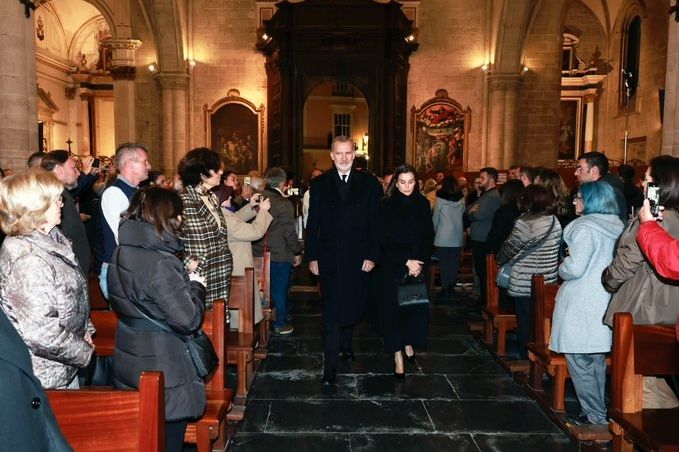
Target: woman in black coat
406, 240
146, 279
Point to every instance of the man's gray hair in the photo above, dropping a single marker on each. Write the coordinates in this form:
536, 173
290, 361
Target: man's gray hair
275, 176
342, 139
127, 151
257, 183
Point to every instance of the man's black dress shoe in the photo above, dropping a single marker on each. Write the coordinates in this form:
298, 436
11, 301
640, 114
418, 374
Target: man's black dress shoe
349, 357
329, 377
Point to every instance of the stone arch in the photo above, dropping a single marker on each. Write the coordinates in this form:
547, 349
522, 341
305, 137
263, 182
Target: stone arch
164, 20
103, 7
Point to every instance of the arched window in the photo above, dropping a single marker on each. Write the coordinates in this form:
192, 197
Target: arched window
631, 50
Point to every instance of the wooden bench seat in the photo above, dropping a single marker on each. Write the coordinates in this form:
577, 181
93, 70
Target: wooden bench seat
638, 351
494, 317
209, 432
106, 419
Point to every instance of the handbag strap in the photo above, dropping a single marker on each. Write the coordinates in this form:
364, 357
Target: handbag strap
528, 250
138, 323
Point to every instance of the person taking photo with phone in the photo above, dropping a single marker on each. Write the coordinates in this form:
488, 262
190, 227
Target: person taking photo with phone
635, 286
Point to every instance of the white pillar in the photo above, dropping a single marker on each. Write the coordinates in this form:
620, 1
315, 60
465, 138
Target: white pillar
18, 103
173, 95
123, 72
502, 130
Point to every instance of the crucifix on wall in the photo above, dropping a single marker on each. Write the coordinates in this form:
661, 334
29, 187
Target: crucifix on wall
28, 5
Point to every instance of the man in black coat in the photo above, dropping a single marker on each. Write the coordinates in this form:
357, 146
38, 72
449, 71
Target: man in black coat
62, 165
26, 419
342, 246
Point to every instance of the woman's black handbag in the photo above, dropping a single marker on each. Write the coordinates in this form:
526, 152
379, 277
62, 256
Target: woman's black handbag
202, 353
411, 292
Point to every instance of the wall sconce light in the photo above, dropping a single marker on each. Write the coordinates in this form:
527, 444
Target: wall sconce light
265, 37
192, 63
365, 141
485, 67
524, 69
153, 68
410, 38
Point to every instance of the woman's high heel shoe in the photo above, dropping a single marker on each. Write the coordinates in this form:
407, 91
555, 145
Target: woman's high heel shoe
399, 375
409, 358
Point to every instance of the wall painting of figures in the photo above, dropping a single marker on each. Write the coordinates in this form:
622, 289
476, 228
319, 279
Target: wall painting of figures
235, 130
440, 128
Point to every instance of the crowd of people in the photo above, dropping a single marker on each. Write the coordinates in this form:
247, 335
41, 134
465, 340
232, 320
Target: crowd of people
165, 249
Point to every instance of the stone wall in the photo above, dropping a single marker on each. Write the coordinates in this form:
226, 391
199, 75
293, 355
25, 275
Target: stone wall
224, 34
452, 48
644, 119
539, 93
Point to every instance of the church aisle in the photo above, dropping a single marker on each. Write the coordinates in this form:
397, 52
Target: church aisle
456, 398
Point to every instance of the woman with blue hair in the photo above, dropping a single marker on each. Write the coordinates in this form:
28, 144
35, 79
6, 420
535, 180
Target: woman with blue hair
578, 330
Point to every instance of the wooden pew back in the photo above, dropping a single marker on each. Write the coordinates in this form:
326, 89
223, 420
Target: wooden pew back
543, 300
242, 298
263, 266
214, 325
639, 350
101, 419
492, 290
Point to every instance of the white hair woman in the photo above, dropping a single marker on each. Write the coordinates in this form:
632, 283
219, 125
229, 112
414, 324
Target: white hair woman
42, 290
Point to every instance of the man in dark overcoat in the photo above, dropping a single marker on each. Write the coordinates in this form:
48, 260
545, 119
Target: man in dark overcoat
27, 422
342, 247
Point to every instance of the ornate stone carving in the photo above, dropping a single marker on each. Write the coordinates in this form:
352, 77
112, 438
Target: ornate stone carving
69, 92
504, 82
121, 44
123, 72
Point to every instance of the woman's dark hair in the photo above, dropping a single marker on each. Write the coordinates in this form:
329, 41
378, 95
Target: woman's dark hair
626, 173
450, 189
554, 184
151, 180
223, 193
511, 192
197, 164
226, 174
535, 200
665, 172
403, 169
157, 206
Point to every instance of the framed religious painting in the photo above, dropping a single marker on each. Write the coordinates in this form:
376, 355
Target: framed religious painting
570, 125
440, 129
234, 128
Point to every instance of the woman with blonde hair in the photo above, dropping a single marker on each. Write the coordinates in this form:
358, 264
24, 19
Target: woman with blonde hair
429, 192
42, 290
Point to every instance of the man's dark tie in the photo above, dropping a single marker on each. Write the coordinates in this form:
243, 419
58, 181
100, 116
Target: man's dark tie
344, 178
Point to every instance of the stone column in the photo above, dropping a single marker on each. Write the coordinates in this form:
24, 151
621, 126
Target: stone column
173, 96
18, 98
670, 127
589, 122
502, 129
123, 72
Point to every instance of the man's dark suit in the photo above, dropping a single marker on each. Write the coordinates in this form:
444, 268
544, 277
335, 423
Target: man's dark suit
342, 232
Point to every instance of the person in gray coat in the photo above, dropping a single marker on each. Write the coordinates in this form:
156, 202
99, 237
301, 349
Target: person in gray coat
449, 238
42, 290
536, 224
578, 330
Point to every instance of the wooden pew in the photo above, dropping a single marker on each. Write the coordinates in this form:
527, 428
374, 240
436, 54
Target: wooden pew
542, 359
495, 318
263, 274
210, 430
641, 350
242, 343
112, 420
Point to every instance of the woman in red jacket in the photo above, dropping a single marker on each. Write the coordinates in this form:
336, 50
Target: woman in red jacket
661, 249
